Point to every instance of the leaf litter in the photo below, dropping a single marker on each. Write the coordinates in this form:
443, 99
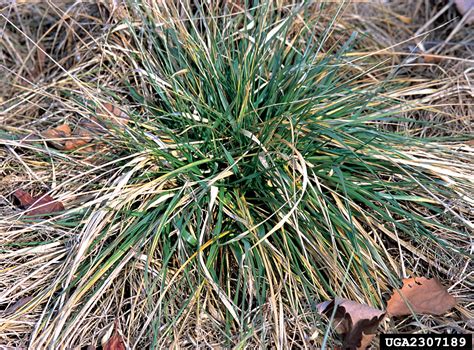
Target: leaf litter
420, 295
115, 342
357, 322
63, 138
40, 205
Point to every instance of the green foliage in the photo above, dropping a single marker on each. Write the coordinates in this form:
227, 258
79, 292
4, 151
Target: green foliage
264, 183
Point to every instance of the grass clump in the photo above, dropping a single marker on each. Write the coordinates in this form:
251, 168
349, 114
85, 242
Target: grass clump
253, 182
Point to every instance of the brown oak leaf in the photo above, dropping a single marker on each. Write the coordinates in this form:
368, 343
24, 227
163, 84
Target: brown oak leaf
62, 130
24, 198
41, 205
356, 322
59, 137
63, 138
425, 296
464, 6
115, 341
116, 115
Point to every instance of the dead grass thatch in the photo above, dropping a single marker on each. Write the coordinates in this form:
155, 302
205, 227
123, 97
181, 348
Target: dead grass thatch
54, 57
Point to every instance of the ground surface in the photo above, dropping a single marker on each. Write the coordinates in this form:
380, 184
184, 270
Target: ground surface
427, 40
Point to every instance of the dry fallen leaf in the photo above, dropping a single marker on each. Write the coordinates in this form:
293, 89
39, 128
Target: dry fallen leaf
463, 7
55, 136
58, 132
82, 138
405, 19
116, 115
62, 138
366, 341
429, 58
425, 296
24, 198
115, 341
356, 322
41, 205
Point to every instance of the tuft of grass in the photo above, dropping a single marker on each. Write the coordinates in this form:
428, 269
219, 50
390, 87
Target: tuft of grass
255, 180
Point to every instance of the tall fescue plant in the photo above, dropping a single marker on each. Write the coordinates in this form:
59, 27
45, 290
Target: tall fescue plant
255, 182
